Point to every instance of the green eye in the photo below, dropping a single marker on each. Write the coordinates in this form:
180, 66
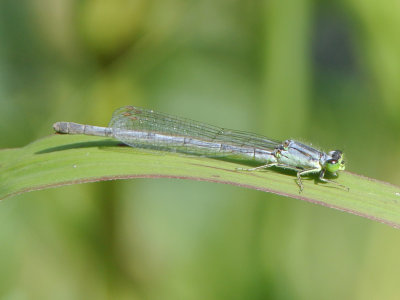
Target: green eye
334, 165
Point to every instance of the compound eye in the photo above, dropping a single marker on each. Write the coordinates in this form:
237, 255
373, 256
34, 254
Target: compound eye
336, 154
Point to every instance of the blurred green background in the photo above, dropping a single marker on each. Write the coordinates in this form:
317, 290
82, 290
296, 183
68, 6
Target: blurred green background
325, 72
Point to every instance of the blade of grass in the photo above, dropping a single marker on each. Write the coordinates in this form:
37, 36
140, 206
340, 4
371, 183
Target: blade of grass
61, 160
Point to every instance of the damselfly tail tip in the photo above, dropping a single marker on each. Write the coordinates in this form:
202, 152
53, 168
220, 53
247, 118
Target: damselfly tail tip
59, 127
56, 127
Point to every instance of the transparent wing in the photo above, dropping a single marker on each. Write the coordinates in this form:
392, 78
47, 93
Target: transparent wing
140, 127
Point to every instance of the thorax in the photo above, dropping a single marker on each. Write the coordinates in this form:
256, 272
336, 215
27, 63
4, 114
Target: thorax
296, 154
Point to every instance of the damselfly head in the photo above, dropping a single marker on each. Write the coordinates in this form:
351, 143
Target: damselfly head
336, 163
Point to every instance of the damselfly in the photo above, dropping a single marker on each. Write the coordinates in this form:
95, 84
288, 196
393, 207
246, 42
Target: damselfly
143, 128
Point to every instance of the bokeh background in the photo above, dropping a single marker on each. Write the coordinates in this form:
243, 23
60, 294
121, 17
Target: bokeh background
320, 71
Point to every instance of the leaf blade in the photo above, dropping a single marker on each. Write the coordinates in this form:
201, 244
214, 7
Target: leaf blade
61, 160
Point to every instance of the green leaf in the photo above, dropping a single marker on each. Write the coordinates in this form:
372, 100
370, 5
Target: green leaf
62, 159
